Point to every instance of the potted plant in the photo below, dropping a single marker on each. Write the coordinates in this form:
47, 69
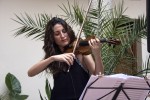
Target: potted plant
14, 89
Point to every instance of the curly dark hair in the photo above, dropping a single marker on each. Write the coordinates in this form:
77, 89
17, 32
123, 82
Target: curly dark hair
51, 48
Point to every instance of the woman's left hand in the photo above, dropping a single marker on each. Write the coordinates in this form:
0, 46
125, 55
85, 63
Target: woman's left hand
95, 46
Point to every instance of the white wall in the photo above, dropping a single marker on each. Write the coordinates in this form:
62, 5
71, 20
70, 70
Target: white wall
18, 54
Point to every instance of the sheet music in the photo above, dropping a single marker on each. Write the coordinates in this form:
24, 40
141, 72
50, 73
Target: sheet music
103, 85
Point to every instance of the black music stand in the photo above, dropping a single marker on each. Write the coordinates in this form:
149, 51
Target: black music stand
116, 87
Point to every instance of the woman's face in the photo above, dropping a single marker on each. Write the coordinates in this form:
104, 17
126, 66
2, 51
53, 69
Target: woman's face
61, 36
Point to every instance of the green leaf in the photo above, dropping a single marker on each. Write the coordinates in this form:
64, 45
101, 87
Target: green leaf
48, 89
17, 96
20, 97
13, 83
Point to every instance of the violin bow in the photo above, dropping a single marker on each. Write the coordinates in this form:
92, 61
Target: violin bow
79, 33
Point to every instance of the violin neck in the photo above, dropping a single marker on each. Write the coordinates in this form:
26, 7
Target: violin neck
85, 43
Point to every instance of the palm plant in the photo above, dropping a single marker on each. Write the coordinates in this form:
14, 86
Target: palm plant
101, 22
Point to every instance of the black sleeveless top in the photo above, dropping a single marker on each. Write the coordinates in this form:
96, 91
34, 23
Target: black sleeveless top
70, 85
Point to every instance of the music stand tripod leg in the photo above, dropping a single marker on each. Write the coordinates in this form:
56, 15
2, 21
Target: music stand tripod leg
118, 91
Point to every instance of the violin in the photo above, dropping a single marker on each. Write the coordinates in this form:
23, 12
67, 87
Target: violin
84, 48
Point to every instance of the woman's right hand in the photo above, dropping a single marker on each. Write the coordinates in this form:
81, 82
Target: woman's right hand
66, 57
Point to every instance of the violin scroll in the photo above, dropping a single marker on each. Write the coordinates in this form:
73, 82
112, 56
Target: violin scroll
112, 41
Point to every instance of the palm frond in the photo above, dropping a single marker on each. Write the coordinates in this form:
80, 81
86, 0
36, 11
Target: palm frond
31, 27
74, 13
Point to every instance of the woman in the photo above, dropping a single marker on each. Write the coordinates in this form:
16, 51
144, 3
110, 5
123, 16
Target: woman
68, 85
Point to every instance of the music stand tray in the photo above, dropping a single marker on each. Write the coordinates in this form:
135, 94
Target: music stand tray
116, 87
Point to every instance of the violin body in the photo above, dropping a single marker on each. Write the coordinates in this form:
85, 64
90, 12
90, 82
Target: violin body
82, 48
